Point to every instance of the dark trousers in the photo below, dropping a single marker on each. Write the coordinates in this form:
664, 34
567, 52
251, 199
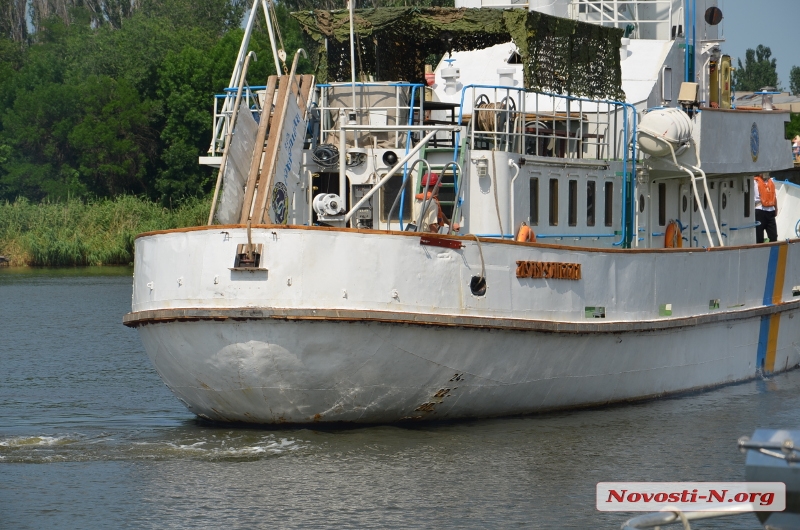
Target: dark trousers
767, 220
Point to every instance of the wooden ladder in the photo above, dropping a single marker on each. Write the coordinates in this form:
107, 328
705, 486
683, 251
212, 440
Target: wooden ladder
262, 166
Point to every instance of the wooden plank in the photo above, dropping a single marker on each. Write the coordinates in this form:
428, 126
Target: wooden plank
258, 149
293, 89
270, 153
306, 85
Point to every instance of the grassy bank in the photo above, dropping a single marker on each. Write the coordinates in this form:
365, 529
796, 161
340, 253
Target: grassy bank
79, 233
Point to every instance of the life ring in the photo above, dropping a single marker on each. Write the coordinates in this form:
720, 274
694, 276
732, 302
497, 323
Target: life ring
672, 236
525, 234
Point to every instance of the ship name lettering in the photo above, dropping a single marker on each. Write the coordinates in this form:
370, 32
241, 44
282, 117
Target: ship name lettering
548, 269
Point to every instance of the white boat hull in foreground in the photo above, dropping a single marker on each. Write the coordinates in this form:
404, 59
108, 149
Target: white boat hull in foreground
365, 326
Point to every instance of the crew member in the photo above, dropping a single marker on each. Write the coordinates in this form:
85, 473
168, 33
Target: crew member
766, 208
434, 218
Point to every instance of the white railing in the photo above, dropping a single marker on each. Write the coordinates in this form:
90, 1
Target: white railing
376, 105
511, 119
651, 19
223, 110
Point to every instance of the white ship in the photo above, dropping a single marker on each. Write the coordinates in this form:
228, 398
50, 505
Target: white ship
320, 292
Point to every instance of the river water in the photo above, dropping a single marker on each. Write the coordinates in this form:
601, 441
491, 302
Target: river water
91, 438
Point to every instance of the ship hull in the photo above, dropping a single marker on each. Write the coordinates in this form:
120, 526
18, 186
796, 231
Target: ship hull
272, 370
370, 327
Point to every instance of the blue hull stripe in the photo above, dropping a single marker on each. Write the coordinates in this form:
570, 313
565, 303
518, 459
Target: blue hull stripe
769, 288
763, 337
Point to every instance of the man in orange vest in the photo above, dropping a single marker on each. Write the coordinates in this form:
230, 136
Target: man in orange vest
766, 208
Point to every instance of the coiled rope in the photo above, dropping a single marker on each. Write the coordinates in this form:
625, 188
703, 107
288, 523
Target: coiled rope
487, 111
326, 155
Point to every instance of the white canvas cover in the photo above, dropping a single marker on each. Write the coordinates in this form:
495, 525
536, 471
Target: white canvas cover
237, 168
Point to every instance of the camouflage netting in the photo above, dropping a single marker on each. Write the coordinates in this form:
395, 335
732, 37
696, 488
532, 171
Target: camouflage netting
392, 44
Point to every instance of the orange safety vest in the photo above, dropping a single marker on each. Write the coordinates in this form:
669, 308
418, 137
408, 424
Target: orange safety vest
766, 192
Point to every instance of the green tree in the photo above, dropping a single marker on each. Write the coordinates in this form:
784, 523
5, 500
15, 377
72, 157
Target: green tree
792, 127
794, 80
759, 70
108, 97
112, 144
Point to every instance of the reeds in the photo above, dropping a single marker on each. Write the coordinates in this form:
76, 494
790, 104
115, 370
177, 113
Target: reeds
74, 233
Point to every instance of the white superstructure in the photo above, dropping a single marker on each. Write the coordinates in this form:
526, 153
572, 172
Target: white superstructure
319, 297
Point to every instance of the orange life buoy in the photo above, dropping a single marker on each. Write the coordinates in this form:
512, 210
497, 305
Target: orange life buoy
672, 236
525, 234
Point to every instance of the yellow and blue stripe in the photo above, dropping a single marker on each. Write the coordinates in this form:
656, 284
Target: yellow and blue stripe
773, 294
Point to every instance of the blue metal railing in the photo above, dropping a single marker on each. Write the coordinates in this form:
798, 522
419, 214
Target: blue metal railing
628, 178
414, 87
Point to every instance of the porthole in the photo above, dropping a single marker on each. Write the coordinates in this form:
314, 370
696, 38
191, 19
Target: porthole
641, 203
685, 203
694, 206
705, 202
724, 200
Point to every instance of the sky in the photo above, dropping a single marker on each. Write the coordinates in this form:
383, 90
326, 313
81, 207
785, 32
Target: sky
773, 23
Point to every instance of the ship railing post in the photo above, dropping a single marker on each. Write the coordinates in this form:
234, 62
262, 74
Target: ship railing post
228, 137
240, 58
342, 161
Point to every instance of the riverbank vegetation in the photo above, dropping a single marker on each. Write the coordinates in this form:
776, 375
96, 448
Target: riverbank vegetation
76, 232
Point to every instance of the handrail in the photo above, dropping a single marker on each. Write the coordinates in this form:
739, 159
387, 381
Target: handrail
228, 137
628, 149
393, 106
236, 74
426, 202
408, 146
562, 236
400, 163
397, 84
402, 188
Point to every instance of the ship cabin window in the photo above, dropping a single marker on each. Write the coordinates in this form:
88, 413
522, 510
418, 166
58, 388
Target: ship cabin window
609, 206
572, 218
553, 202
534, 208
389, 193
590, 202
705, 202
747, 199
662, 204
